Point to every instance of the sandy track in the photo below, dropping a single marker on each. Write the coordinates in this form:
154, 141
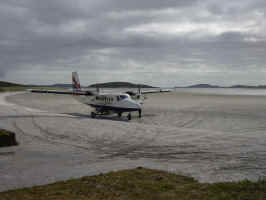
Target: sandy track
213, 138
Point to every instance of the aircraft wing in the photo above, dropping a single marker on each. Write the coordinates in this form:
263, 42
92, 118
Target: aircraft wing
156, 91
140, 94
87, 93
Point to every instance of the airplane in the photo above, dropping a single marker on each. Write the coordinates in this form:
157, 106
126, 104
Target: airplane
104, 103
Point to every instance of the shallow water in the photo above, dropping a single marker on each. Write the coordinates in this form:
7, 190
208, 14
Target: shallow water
224, 91
212, 137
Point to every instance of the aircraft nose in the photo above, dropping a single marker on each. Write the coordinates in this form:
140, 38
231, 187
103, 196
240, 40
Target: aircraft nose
138, 105
133, 104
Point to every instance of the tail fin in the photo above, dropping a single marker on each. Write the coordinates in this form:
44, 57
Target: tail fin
75, 81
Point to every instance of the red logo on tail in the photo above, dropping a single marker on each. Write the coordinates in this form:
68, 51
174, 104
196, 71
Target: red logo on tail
77, 86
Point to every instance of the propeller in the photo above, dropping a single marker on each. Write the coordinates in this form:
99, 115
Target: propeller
97, 90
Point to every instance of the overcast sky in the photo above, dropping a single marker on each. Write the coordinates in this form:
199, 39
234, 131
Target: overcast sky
159, 42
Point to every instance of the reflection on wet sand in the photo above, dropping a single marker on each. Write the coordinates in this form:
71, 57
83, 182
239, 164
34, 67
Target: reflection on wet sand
211, 137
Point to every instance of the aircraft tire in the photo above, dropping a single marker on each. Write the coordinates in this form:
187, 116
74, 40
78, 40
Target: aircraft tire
129, 116
93, 114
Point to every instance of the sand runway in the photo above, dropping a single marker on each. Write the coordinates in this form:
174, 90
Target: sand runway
210, 137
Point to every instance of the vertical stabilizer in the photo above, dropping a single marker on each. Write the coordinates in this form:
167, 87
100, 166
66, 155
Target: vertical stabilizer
75, 82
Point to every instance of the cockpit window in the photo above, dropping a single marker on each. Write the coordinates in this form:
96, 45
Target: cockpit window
122, 97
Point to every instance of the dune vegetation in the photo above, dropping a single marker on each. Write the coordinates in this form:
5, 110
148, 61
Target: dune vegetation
7, 138
140, 183
14, 87
7, 86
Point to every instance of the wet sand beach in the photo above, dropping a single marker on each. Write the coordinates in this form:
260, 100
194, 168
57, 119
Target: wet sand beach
211, 136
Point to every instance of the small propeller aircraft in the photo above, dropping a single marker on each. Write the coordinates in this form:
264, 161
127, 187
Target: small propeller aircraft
105, 103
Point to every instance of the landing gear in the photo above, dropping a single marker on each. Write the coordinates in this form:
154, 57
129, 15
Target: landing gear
93, 114
119, 115
139, 113
129, 116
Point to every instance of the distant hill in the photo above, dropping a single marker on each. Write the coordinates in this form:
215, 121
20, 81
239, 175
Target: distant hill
120, 85
217, 86
233, 86
8, 84
261, 86
61, 85
5, 84
250, 87
204, 86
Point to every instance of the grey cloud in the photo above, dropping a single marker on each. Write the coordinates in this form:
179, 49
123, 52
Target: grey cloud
93, 37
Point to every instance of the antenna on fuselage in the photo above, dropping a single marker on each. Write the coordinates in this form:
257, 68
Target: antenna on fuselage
139, 89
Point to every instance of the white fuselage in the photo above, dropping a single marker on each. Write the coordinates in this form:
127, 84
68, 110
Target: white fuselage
113, 102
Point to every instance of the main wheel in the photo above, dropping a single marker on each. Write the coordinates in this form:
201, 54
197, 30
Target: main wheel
139, 113
93, 114
129, 116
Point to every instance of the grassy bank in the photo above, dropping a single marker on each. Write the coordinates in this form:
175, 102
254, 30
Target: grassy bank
13, 89
140, 183
23, 88
7, 86
7, 138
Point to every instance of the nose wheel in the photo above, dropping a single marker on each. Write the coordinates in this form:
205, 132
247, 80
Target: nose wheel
93, 114
139, 113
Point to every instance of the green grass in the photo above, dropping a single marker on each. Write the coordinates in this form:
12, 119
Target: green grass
8, 86
23, 88
7, 138
4, 132
13, 88
140, 183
